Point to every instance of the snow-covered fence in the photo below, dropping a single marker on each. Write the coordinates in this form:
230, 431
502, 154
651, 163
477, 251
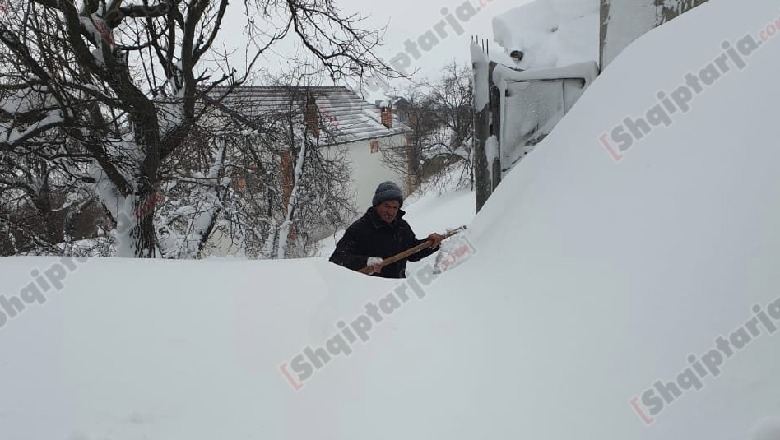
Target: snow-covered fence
515, 110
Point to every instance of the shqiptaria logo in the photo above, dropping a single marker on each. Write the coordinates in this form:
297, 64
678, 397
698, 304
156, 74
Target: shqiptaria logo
655, 399
310, 360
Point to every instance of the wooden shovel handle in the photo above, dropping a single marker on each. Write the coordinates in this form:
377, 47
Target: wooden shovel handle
401, 255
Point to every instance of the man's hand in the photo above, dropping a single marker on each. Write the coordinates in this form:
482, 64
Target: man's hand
436, 239
375, 263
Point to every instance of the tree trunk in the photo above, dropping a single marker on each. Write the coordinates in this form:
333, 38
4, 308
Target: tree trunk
135, 224
43, 204
287, 226
143, 233
135, 219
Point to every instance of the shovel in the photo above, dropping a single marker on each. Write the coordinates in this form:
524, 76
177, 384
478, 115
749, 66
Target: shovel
401, 255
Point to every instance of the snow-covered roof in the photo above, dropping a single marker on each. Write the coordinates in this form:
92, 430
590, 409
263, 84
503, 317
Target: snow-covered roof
588, 71
344, 115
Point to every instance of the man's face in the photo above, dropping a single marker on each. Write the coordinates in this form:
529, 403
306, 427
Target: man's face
387, 210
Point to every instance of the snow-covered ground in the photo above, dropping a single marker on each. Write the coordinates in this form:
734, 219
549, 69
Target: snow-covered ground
596, 273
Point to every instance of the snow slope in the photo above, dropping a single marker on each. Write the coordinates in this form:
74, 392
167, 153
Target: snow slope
592, 279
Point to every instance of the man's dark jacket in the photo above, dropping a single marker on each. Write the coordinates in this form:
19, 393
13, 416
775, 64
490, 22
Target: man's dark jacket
370, 236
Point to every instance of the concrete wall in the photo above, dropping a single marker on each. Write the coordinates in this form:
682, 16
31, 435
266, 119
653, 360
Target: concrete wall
623, 21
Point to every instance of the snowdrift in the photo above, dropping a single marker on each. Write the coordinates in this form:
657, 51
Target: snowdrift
592, 300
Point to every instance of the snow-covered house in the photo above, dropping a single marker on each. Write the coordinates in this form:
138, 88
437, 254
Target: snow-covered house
342, 123
305, 159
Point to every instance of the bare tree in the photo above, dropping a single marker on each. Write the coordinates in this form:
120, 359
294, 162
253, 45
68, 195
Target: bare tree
119, 81
314, 198
452, 96
416, 110
41, 201
440, 118
254, 181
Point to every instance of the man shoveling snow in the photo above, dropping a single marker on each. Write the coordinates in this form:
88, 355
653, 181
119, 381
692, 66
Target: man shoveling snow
382, 233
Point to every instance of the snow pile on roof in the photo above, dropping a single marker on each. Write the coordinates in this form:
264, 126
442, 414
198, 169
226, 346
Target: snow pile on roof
550, 33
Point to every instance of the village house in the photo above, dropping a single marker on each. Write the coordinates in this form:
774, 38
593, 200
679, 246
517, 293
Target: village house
339, 121
344, 128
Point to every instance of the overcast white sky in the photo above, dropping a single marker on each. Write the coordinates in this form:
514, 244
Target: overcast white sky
411, 19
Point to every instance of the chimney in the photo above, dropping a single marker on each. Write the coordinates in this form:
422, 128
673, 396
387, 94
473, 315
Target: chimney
386, 112
311, 117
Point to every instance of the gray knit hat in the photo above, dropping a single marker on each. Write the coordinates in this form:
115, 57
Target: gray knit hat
388, 191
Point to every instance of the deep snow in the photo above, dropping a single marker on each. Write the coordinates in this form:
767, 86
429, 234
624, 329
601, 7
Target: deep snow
591, 280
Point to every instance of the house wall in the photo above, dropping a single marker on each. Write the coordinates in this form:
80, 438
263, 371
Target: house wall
368, 170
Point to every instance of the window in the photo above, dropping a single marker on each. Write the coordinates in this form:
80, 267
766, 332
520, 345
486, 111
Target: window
374, 146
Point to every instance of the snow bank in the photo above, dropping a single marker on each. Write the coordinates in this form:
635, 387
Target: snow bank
591, 282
